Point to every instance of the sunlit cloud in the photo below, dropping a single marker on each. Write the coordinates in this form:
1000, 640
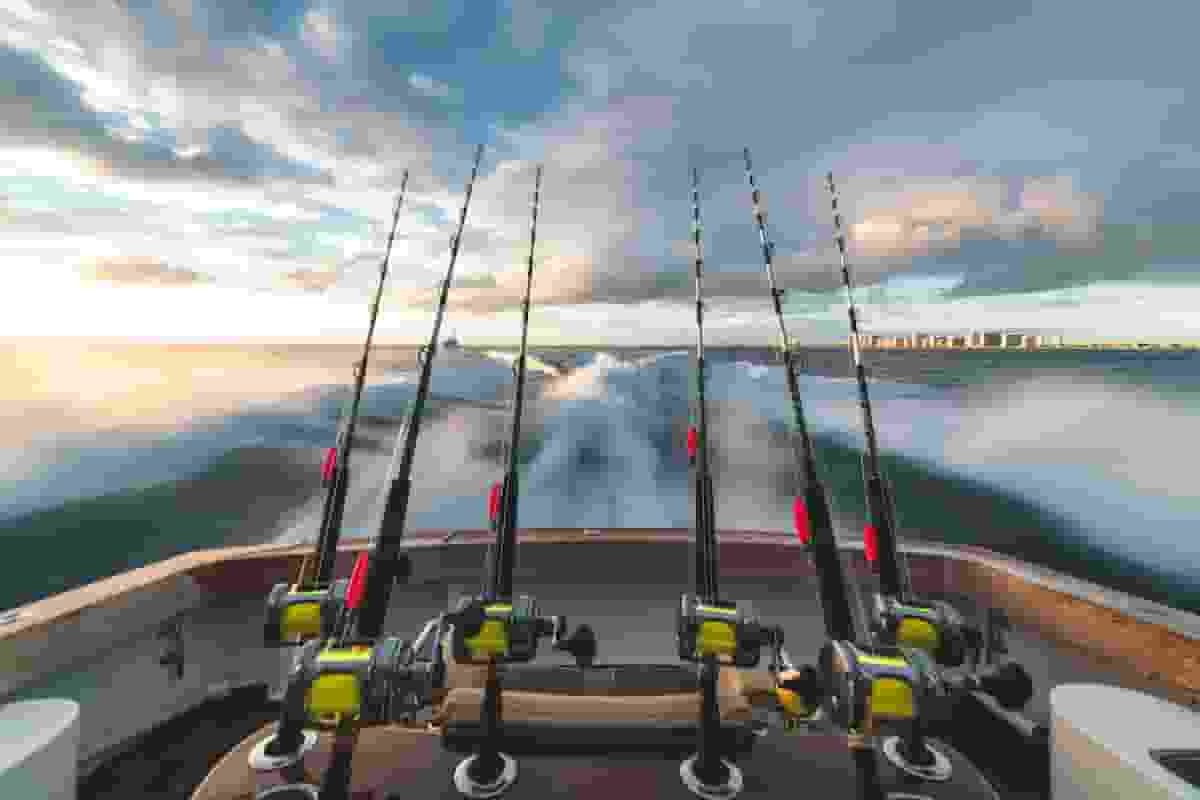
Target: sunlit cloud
139, 271
309, 280
264, 148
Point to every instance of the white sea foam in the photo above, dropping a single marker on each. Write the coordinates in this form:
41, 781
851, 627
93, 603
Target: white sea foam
1114, 458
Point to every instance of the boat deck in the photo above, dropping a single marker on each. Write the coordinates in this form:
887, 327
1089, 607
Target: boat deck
624, 583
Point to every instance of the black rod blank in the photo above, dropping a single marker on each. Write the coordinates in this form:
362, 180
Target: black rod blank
335, 505
707, 579
387, 564
502, 563
814, 510
893, 578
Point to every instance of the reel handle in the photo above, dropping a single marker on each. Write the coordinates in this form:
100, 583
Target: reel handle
1008, 684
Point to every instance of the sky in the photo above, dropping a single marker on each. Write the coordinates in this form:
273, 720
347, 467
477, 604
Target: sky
226, 170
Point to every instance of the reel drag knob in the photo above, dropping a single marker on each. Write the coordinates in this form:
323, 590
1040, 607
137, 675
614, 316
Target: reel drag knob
799, 691
581, 645
1009, 684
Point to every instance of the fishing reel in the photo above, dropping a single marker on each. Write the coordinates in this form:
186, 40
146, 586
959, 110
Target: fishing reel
331, 684
296, 615
732, 634
933, 627
716, 634
493, 632
873, 690
497, 632
362, 682
868, 686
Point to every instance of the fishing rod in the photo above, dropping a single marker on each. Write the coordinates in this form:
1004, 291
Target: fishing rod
503, 507
880, 534
814, 522
706, 534
711, 630
338, 466
328, 472
386, 564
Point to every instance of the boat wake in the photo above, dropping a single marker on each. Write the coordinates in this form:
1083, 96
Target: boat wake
1048, 470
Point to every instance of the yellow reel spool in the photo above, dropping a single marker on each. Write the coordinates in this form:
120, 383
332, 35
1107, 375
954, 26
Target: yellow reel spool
891, 698
918, 634
301, 620
334, 697
491, 641
716, 638
337, 692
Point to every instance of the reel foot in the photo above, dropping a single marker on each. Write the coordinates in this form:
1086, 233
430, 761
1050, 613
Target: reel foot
263, 759
938, 768
468, 786
730, 787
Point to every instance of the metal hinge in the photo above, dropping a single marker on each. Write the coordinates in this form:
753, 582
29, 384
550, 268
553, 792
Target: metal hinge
170, 635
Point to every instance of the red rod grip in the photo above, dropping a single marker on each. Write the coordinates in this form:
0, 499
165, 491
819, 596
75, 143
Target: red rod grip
358, 581
800, 517
494, 501
871, 543
330, 465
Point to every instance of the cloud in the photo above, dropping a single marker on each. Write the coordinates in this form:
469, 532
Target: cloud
47, 108
140, 271
1059, 207
913, 31
309, 280
1110, 252
322, 33
529, 25
556, 281
249, 142
906, 217
431, 87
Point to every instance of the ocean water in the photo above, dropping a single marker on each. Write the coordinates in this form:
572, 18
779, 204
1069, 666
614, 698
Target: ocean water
1077, 461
